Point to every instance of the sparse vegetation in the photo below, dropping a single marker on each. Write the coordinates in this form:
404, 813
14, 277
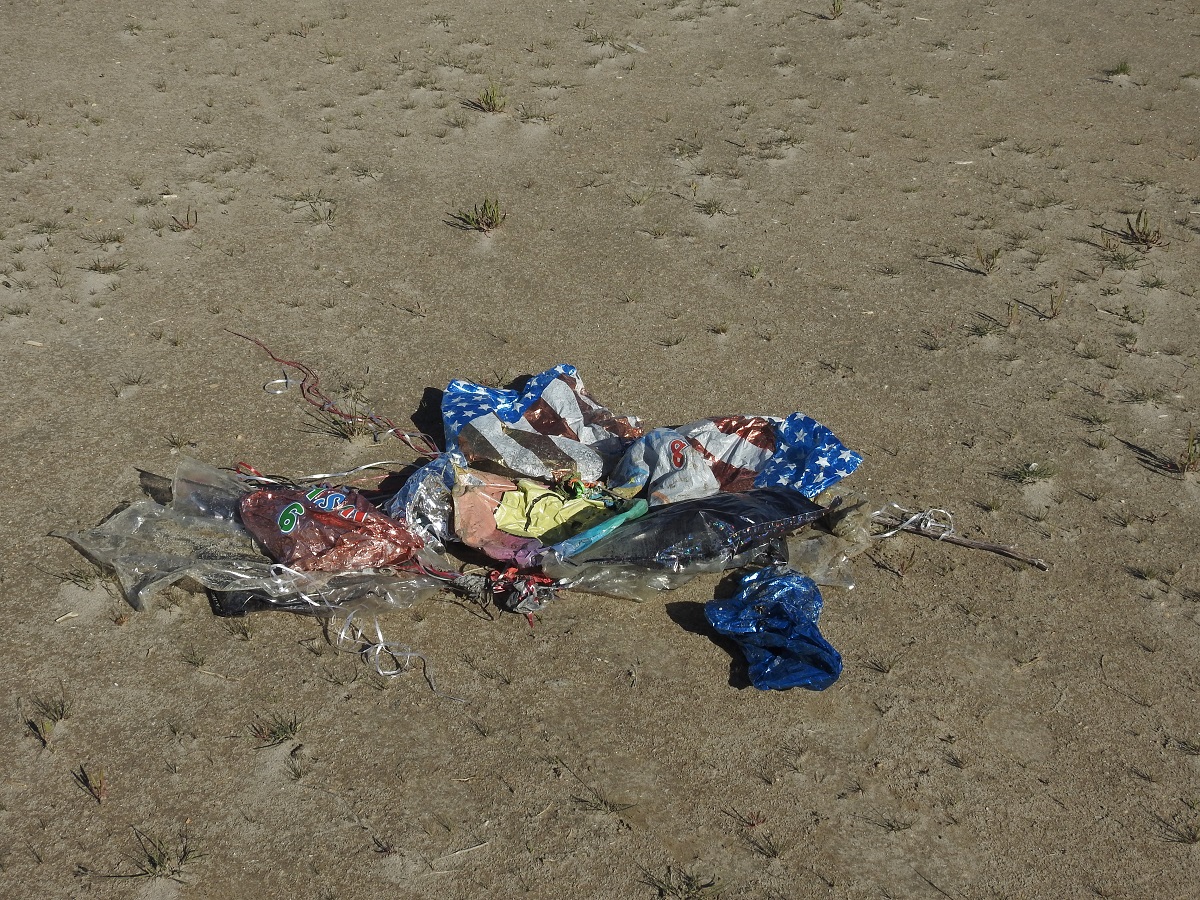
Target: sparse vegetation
273, 729
103, 266
201, 148
1140, 231
484, 217
592, 798
1189, 458
988, 260
91, 781
680, 884
103, 238
1177, 830
158, 857
347, 424
1027, 473
190, 220
490, 100
56, 708
890, 824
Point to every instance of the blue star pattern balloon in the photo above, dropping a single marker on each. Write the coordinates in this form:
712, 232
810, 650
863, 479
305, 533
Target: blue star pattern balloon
465, 401
808, 457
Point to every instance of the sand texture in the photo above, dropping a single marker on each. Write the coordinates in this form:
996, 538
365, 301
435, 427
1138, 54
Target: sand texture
962, 235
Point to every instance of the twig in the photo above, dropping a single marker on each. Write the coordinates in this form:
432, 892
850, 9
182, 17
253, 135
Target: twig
464, 850
941, 528
932, 885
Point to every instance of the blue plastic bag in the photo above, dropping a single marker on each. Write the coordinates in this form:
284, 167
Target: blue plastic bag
774, 620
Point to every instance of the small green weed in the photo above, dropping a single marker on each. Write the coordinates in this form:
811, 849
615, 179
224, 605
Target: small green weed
193, 657
1094, 420
92, 782
1189, 459
890, 824
764, 843
1027, 473
239, 628
984, 327
1157, 394
190, 220
1058, 297
53, 709
357, 425
272, 730
1176, 831
157, 857
533, 114
103, 238
80, 577
1183, 745
680, 884
881, 664
484, 217
315, 207
490, 100
1141, 232
201, 148
639, 198
106, 266
1124, 260
988, 260
295, 768
593, 799
606, 41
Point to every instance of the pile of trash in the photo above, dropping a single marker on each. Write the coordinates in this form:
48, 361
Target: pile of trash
550, 491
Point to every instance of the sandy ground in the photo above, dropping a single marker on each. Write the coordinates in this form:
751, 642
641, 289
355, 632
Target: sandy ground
914, 221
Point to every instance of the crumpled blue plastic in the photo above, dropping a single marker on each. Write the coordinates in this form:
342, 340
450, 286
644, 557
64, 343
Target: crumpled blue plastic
774, 621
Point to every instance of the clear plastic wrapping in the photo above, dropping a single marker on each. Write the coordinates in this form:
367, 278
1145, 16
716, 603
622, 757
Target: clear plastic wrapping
197, 538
